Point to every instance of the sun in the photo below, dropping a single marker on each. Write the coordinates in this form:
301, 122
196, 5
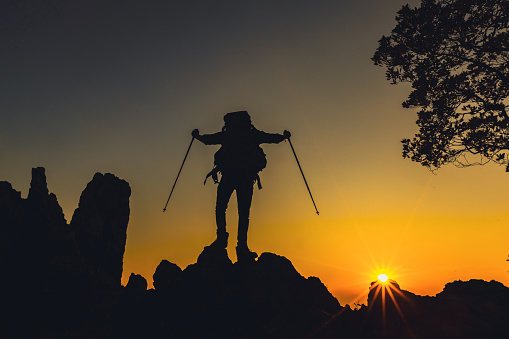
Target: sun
383, 277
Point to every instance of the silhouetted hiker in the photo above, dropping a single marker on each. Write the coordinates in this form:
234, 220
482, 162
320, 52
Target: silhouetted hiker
239, 160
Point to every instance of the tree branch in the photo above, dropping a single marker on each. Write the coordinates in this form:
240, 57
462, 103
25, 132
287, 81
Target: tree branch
503, 77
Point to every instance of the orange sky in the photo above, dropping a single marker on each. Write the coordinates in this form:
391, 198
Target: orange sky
122, 96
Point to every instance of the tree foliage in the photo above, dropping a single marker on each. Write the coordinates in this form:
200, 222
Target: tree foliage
455, 53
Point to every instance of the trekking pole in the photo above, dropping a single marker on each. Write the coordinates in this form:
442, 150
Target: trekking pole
180, 170
303, 177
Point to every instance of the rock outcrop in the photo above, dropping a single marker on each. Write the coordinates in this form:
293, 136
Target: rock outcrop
266, 298
49, 269
37, 245
12, 214
471, 309
168, 278
136, 283
100, 223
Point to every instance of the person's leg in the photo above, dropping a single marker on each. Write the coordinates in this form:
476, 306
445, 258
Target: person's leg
224, 192
244, 198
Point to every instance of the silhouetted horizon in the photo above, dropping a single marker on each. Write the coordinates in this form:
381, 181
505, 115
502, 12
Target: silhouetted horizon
68, 284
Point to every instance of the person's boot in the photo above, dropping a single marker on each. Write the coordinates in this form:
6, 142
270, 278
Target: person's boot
221, 240
244, 254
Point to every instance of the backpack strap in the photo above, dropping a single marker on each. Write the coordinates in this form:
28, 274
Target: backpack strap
215, 170
258, 181
212, 173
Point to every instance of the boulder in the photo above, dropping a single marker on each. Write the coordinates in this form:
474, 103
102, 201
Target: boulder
167, 277
136, 283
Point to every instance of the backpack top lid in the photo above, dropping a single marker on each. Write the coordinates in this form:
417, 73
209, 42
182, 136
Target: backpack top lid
237, 119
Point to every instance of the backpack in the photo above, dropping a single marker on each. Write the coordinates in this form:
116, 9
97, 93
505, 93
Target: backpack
246, 155
256, 162
252, 158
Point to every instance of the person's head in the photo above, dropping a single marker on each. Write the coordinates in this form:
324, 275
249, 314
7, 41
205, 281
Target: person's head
239, 120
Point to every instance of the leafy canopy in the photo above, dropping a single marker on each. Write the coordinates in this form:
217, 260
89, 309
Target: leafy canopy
455, 53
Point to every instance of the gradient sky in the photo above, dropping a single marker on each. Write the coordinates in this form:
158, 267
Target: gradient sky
117, 86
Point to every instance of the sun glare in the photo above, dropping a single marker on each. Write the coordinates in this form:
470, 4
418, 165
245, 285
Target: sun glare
383, 277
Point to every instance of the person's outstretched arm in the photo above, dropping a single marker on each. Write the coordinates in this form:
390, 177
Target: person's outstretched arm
272, 138
208, 139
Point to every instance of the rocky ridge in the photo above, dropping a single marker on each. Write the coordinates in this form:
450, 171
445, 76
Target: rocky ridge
62, 280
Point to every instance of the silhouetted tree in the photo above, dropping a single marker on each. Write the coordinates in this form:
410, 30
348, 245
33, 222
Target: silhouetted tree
455, 53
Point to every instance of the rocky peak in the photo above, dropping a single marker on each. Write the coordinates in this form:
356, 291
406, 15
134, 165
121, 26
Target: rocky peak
167, 277
44, 211
100, 223
38, 186
35, 234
